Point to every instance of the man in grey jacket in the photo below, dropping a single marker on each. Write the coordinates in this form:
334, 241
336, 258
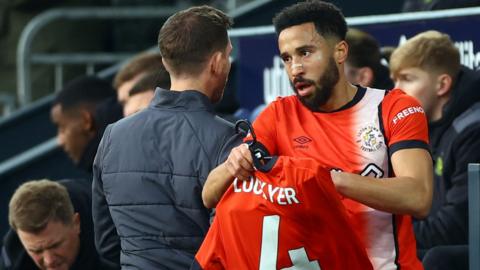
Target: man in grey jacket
150, 167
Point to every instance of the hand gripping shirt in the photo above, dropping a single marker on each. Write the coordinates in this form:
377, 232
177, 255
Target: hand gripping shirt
288, 216
358, 138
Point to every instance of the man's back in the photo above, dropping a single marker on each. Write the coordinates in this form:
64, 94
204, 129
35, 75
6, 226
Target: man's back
153, 166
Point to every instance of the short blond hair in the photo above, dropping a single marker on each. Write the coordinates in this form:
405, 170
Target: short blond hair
431, 51
37, 202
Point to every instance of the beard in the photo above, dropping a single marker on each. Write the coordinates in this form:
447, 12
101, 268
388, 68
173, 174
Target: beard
323, 88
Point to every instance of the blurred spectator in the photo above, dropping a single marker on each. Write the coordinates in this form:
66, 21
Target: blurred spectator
142, 92
242, 113
150, 167
52, 227
133, 71
428, 67
81, 111
386, 52
364, 62
422, 5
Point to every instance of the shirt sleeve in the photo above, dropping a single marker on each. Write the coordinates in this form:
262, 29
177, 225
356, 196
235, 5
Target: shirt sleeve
404, 122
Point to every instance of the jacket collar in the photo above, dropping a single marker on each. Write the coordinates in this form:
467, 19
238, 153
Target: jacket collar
86, 161
463, 95
191, 100
106, 113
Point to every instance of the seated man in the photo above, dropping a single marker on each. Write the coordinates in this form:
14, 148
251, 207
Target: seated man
81, 111
364, 62
52, 227
133, 70
142, 92
428, 67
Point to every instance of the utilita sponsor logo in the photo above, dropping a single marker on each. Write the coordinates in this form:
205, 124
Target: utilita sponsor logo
468, 56
275, 81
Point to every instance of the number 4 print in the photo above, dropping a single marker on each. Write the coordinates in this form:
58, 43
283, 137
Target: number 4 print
268, 252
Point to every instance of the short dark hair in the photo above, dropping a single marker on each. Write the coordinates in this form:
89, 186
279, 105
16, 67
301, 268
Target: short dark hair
327, 18
150, 81
190, 36
363, 49
141, 63
84, 90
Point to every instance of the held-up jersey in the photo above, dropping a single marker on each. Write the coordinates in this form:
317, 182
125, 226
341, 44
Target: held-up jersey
358, 138
288, 217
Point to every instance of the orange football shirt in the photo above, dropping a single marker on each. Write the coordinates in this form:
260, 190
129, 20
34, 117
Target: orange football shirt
288, 216
358, 138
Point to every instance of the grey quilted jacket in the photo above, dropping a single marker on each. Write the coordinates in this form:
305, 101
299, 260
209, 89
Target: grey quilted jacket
148, 176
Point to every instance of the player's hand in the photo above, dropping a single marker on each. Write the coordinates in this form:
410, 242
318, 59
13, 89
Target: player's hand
338, 178
240, 163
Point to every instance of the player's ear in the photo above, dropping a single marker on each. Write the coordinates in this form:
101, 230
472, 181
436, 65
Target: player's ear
365, 76
444, 84
340, 52
216, 63
87, 120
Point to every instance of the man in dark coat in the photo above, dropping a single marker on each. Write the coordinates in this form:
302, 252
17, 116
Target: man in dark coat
150, 167
364, 62
71, 247
81, 111
428, 67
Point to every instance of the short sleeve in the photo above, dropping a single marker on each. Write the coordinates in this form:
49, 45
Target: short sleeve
404, 121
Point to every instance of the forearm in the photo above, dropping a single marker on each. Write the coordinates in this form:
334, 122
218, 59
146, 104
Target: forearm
217, 183
399, 195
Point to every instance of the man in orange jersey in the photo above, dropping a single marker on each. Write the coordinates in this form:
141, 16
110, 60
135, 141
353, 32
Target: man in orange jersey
374, 142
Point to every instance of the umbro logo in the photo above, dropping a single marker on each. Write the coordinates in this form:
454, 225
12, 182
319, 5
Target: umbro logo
302, 140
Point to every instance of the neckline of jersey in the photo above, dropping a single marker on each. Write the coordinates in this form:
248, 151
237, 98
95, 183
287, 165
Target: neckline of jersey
358, 96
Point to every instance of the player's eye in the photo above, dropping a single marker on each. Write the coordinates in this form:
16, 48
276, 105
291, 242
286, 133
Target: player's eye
305, 53
286, 59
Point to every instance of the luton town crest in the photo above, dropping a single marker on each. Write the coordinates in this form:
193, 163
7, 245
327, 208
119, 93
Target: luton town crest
370, 138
